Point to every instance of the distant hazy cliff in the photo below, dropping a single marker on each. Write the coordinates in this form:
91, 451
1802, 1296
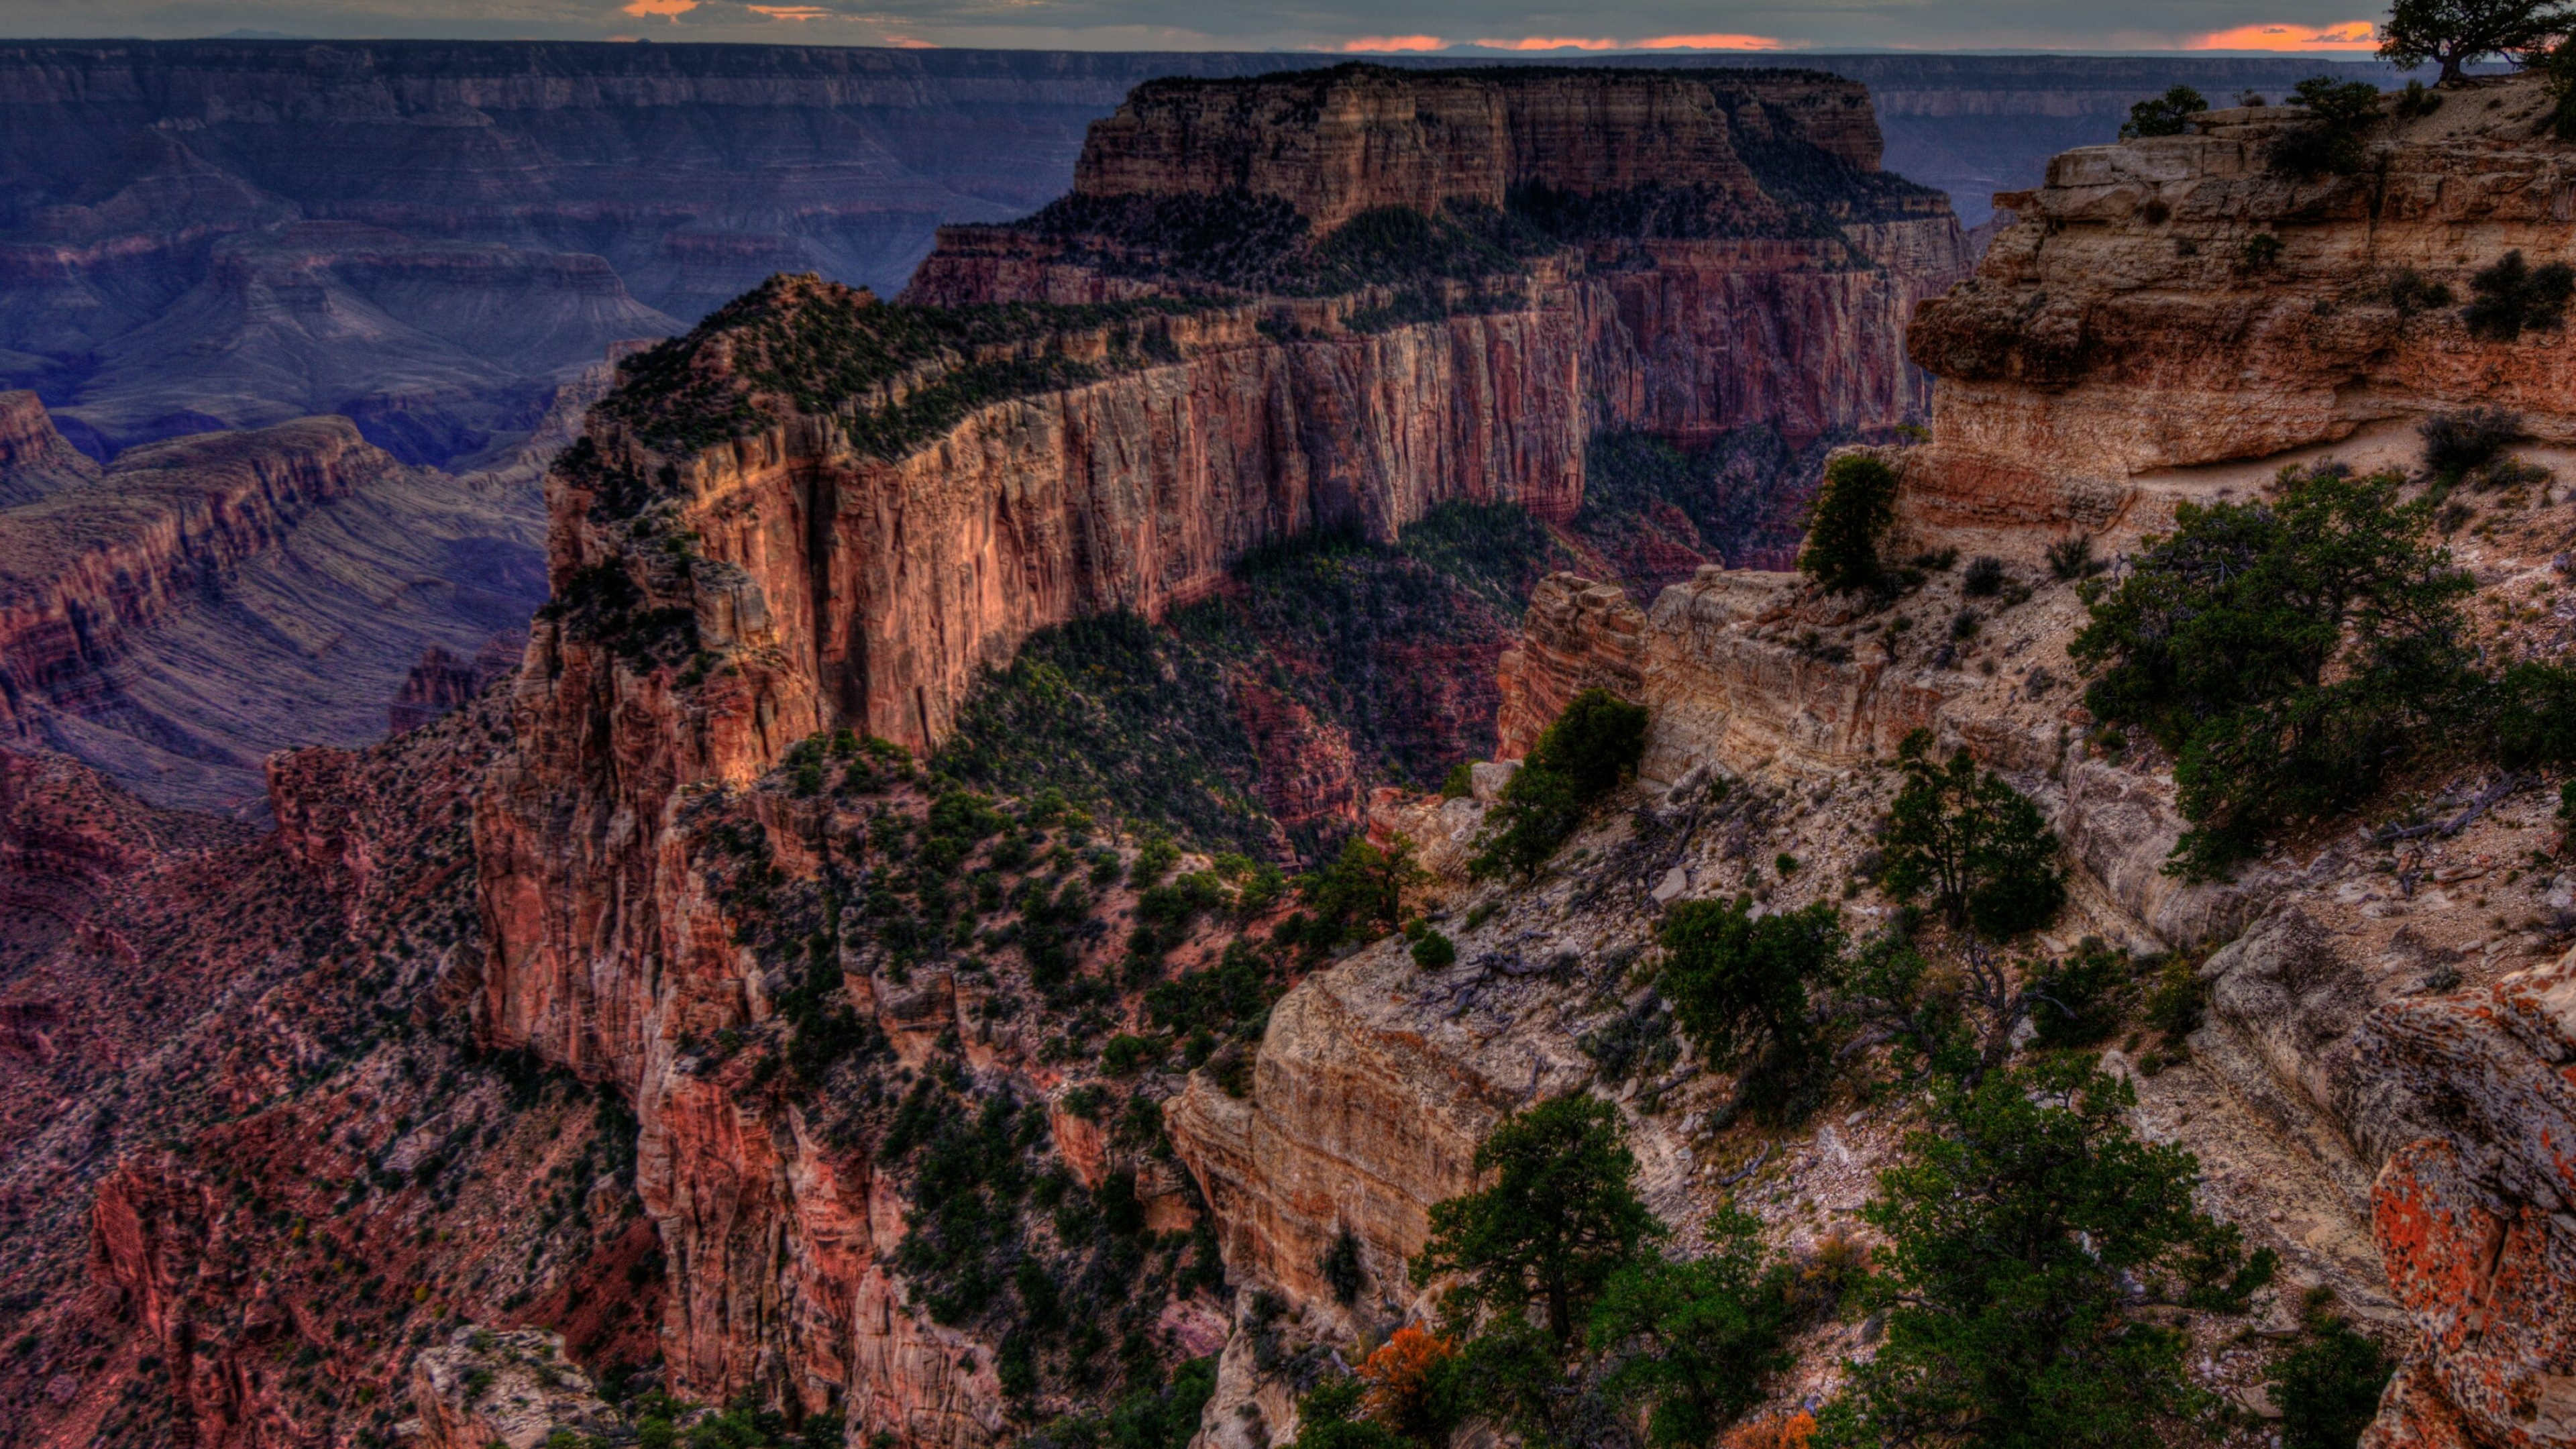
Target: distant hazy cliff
504, 210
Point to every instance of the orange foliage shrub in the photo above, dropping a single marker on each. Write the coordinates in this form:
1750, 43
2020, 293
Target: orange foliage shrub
1398, 1376
1780, 1431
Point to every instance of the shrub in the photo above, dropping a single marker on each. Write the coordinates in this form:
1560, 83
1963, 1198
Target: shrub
1402, 1379
2534, 716
1125, 1054
2328, 1387
2175, 1004
1984, 578
2165, 115
1361, 894
2408, 292
1590, 749
1561, 1218
2072, 558
1434, 952
2261, 250
1459, 783
2340, 115
1851, 517
2077, 1000
1738, 983
1595, 743
2513, 296
1702, 1336
1973, 843
2285, 650
1341, 1267
2457, 442
2024, 1226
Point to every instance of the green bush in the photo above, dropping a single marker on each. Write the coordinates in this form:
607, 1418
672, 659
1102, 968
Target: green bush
1695, 1341
1851, 517
1740, 986
1559, 1220
2078, 1001
2024, 1227
2455, 443
1434, 952
2286, 650
1595, 743
1360, 896
2341, 115
1971, 842
1590, 749
2328, 1387
2165, 115
2513, 296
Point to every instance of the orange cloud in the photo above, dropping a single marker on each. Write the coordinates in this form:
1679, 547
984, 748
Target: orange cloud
672, 9
2279, 35
1548, 42
1368, 43
797, 13
906, 42
1707, 42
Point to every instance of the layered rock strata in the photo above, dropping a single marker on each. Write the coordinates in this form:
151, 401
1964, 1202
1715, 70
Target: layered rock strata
813, 564
207, 600
2167, 305
1704, 293
2175, 319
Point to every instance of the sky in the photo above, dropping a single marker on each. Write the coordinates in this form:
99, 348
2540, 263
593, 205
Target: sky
1358, 27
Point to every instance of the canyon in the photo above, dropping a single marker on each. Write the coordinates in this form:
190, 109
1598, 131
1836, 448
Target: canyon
441, 242
177, 616
427, 237
664, 1016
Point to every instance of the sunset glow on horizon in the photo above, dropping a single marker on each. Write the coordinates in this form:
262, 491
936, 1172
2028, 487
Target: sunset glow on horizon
1390, 44
2279, 35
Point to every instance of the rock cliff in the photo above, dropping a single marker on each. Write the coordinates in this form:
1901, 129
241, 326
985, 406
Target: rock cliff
821, 511
2168, 305
1678, 203
2381, 1043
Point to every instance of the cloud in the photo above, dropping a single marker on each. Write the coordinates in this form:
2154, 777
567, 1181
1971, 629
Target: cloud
1714, 41
2281, 35
672, 9
906, 42
1367, 44
1548, 42
798, 13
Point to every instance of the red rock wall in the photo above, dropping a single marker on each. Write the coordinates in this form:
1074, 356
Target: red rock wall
830, 588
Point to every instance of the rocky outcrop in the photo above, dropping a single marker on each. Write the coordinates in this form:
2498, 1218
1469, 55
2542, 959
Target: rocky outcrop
720, 600
34, 459
514, 1387
1335, 143
86, 571
2176, 302
441, 681
2471, 1215
1725, 297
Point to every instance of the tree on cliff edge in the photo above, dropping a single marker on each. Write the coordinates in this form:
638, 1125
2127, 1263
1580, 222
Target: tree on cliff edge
1851, 515
2452, 33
